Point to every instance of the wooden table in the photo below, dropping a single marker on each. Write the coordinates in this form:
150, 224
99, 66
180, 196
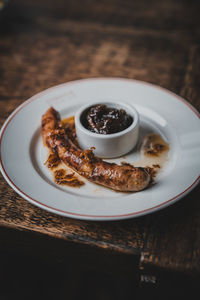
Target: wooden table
43, 44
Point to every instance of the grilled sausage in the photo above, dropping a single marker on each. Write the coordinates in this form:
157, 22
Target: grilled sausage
124, 178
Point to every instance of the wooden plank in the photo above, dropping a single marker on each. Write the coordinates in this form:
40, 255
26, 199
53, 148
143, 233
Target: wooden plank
164, 15
26, 70
18, 213
177, 239
191, 87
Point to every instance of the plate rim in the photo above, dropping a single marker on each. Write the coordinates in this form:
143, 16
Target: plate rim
88, 216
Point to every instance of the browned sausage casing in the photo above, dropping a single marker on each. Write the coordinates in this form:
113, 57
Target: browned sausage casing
124, 178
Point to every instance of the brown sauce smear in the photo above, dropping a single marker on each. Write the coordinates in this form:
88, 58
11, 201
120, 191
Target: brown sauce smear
68, 121
153, 153
62, 178
69, 125
52, 161
153, 145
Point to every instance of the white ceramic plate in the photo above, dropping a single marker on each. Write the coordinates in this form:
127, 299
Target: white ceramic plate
23, 154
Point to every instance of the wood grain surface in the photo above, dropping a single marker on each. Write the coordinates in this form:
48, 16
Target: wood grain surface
155, 41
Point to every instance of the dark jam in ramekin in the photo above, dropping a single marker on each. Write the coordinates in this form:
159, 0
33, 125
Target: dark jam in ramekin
106, 120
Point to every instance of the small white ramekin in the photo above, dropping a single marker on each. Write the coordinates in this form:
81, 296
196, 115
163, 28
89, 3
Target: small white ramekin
108, 145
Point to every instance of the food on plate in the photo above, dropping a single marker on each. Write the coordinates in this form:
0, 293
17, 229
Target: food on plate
154, 145
61, 177
61, 174
106, 120
124, 178
154, 152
